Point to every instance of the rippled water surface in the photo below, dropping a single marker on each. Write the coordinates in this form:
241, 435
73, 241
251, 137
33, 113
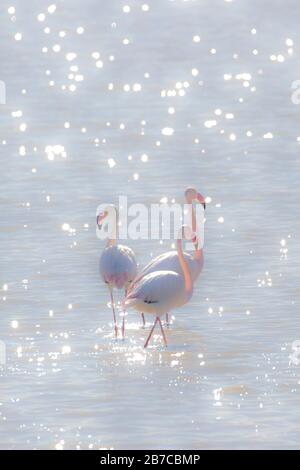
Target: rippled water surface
203, 88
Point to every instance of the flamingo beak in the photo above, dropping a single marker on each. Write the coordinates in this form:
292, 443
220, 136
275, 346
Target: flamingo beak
195, 240
201, 199
100, 219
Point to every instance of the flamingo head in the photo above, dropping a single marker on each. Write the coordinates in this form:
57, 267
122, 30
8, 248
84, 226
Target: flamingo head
192, 194
110, 210
100, 218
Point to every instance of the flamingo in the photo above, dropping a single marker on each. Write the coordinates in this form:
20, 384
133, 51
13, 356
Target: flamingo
118, 265
170, 261
159, 292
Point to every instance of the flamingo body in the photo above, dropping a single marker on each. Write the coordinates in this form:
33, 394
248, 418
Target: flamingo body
170, 262
158, 293
161, 291
118, 266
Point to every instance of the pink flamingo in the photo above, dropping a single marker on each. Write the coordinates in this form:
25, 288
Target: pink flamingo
170, 261
161, 291
118, 265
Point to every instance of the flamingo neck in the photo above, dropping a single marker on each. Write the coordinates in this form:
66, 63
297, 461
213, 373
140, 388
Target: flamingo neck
185, 268
112, 239
194, 221
198, 251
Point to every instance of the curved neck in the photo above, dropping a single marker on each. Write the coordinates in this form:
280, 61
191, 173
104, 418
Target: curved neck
198, 251
185, 268
113, 216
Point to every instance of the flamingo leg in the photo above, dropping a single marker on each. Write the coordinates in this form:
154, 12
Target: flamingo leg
152, 329
123, 326
162, 331
123, 321
167, 320
114, 313
144, 321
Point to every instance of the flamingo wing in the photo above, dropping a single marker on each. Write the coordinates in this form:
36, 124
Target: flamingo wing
166, 262
158, 292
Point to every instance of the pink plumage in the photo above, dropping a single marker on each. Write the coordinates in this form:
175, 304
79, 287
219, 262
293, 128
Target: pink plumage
117, 265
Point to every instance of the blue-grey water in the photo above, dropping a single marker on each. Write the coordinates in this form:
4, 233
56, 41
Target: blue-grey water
219, 74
